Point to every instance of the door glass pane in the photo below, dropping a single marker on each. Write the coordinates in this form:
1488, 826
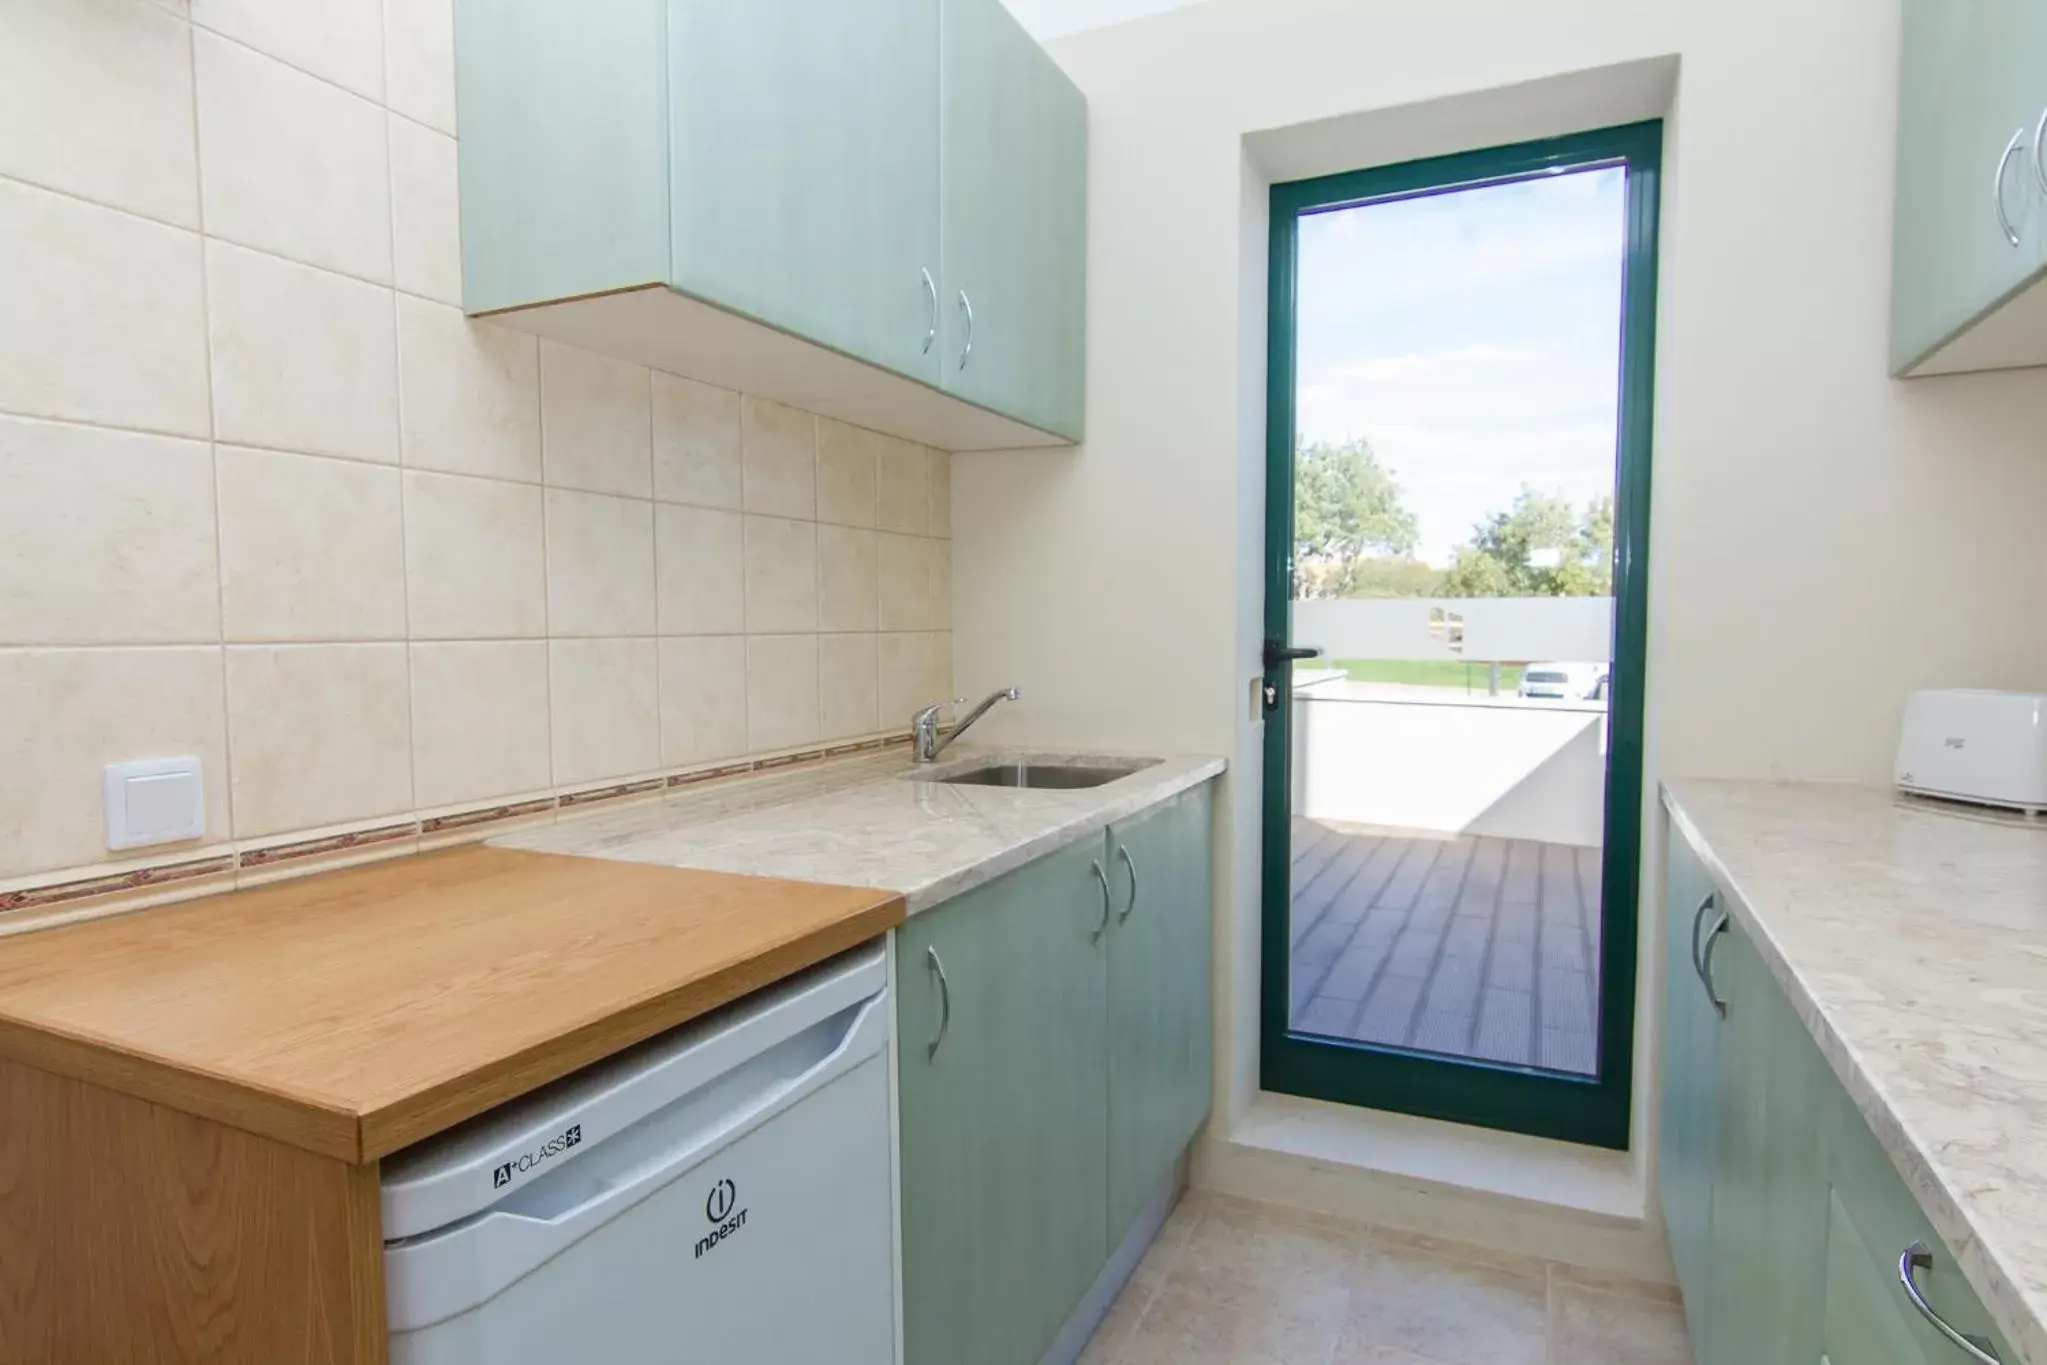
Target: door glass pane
1458, 363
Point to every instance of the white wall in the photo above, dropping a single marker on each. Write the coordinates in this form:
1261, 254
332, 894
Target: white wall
1531, 771
1825, 539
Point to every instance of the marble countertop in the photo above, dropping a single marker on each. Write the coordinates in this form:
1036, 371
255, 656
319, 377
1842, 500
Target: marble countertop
1913, 942
870, 821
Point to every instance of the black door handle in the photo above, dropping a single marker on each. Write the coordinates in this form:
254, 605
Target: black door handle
1277, 653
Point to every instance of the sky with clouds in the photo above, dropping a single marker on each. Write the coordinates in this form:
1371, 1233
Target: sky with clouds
1473, 337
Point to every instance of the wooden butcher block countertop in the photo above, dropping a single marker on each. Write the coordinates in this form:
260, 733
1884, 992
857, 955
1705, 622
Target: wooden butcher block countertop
356, 1012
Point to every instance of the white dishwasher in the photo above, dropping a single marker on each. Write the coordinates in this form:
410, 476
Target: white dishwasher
721, 1193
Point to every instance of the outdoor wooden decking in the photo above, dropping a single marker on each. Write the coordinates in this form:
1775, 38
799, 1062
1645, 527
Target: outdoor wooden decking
1474, 947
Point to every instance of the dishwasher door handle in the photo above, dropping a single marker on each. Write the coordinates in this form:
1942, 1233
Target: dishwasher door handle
473, 1261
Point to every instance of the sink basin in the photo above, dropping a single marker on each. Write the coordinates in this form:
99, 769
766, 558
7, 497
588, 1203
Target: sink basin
1053, 776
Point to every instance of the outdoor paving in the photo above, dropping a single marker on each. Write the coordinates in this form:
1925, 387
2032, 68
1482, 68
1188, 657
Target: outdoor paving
1474, 947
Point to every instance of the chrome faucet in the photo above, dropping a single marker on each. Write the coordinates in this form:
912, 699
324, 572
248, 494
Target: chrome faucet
929, 743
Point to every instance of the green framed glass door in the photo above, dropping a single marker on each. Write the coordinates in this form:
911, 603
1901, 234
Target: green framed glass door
1452, 804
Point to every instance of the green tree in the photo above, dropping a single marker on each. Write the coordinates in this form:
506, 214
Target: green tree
1539, 547
1347, 514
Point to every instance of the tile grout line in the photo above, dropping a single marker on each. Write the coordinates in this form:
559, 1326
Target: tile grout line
1428, 989
398, 415
227, 729
1492, 941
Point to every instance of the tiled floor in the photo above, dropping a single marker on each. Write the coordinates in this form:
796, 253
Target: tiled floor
1474, 947
1235, 1283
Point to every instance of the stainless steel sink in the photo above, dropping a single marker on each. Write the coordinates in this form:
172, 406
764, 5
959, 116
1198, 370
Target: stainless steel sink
1053, 776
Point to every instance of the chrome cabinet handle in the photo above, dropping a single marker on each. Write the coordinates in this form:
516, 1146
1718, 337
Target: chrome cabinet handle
1123, 852
967, 311
1706, 964
930, 331
1102, 880
2040, 148
2012, 149
937, 966
1915, 1258
1698, 922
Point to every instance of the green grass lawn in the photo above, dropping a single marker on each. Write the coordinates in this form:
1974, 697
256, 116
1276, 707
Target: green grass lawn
1429, 673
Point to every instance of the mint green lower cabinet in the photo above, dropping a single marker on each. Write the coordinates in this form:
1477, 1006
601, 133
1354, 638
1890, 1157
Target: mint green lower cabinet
1786, 1216
1159, 999
1691, 1042
1004, 1127
1864, 1325
1769, 1197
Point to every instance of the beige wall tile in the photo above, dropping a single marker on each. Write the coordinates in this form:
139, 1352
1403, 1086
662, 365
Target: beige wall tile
596, 423
475, 558
941, 493
781, 691
479, 721
426, 213
604, 711
93, 707
940, 553
419, 60
908, 570
291, 164
338, 40
700, 578
781, 575
600, 564
846, 581
311, 548
943, 683
703, 699
847, 686
105, 537
101, 317
781, 459
697, 448
911, 676
904, 502
320, 735
848, 458
303, 359
96, 100
471, 393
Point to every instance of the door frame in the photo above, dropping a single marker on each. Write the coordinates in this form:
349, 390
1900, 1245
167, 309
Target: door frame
1591, 1110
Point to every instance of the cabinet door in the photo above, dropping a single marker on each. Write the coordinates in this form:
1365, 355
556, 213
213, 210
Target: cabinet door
1769, 1184
804, 147
1863, 1323
1005, 1124
1971, 78
1887, 1219
1690, 1079
1014, 133
1159, 998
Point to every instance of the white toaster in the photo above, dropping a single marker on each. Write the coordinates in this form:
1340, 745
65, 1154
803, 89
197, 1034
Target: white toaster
1989, 748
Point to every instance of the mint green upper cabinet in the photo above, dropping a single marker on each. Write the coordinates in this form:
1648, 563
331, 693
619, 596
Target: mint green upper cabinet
1005, 1127
1014, 214
1972, 90
1691, 1031
564, 149
1159, 998
805, 185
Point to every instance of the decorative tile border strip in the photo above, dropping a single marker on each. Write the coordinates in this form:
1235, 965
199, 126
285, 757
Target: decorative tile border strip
333, 843
275, 856
115, 883
469, 819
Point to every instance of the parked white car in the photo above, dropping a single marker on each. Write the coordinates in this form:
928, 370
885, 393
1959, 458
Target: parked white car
1564, 681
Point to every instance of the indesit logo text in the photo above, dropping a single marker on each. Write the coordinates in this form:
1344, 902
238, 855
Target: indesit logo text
719, 1206
569, 1137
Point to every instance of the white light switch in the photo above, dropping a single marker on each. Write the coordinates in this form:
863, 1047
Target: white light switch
154, 801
